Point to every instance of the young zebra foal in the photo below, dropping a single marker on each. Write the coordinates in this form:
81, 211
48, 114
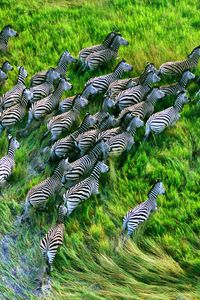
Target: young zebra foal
165, 118
6, 33
97, 59
84, 189
65, 147
61, 68
84, 53
178, 67
141, 212
39, 194
13, 96
15, 113
124, 141
7, 163
63, 122
174, 89
53, 239
42, 90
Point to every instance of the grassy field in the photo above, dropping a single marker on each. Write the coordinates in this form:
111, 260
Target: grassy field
162, 261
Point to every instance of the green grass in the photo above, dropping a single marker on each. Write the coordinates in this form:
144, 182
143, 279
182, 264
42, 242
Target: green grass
163, 260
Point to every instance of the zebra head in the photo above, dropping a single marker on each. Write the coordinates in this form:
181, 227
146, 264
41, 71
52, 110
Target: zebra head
152, 77
122, 41
187, 75
13, 141
3, 75
131, 83
102, 167
67, 58
22, 72
52, 75
9, 31
158, 188
65, 85
80, 102
195, 51
124, 66
108, 103
28, 95
89, 120
66, 166
136, 122
155, 94
7, 67
181, 98
89, 90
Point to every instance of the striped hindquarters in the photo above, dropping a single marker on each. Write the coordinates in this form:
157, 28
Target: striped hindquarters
118, 143
38, 78
174, 68
159, 121
52, 241
12, 115
6, 167
63, 147
130, 97
95, 60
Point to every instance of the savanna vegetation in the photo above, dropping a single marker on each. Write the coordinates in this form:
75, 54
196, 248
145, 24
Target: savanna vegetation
162, 260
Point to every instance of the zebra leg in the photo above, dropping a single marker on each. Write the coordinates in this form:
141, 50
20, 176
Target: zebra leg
147, 132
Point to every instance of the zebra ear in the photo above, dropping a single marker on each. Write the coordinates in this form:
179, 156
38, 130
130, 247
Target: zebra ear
9, 137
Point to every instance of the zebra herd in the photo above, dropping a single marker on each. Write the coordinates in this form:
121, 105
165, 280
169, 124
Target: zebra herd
82, 154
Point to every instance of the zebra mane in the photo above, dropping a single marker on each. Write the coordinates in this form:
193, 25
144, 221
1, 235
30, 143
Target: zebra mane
108, 35
153, 185
189, 55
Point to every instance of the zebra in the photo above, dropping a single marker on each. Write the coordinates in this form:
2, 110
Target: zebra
125, 140
165, 118
144, 108
103, 114
42, 90
40, 109
6, 33
7, 163
67, 103
141, 212
66, 146
97, 59
173, 89
63, 122
15, 114
102, 83
84, 53
6, 67
174, 68
136, 94
85, 188
84, 165
85, 141
39, 194
53, 239
13, 96
61, 68
122, 84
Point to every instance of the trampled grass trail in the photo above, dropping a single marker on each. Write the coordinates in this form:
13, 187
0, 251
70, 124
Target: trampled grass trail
162, 260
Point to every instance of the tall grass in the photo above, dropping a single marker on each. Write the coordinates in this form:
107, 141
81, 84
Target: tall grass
163, 260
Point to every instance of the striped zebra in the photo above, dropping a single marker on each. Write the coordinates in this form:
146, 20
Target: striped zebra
39, 194
144, 108
102, 83
53, 239
141, 212
85, 141
40, 109
67, 103
15, 114
7, 163
65, 147
165, 118
180, 86
13, 96
84, 53
63, 122
43, 90
123, 84
6, 67
136, 94
178, 67
85, 188
84, 165
125, 140
6, 33
97, 59
61, 68
103, 114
